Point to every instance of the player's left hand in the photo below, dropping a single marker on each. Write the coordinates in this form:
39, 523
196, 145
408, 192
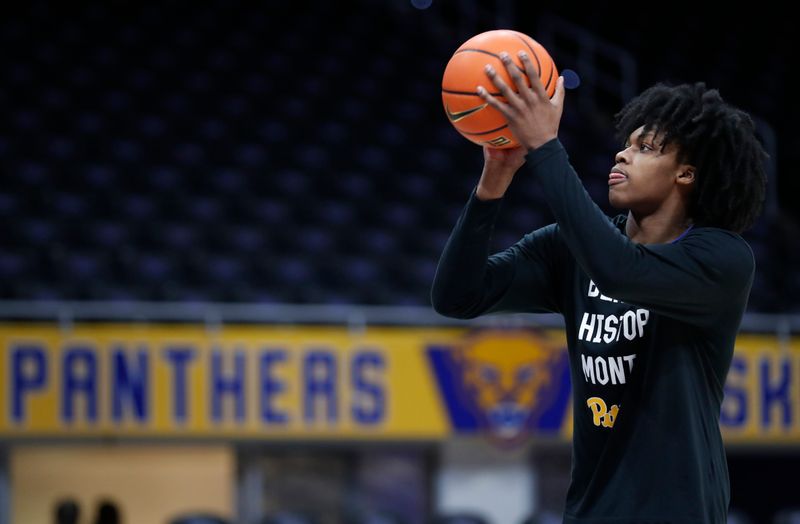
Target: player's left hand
532, 116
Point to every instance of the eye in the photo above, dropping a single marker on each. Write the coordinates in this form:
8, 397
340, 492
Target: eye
489, 374
525, 374
645, 147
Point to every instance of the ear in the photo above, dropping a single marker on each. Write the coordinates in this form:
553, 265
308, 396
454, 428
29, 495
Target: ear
686, 175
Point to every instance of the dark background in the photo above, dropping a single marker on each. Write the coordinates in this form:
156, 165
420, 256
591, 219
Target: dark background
216, 152
298, 152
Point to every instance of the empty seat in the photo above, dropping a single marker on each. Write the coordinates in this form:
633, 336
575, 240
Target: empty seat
154, 267
399, 215
246, 155
137, 207
315, 241
12, 265
83, 266
245, 239
377, 242
9, 204
69, 205
37, 232
99, 176
293, 271
225, 269
203, 209
333, 213
269, 211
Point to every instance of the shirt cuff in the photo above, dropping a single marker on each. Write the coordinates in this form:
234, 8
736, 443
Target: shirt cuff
474, 201
544, 151
479, 211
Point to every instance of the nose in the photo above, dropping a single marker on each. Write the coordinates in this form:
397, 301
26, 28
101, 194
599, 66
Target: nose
620, 157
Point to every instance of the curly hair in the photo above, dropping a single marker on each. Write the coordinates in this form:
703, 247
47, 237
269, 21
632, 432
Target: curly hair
716, 138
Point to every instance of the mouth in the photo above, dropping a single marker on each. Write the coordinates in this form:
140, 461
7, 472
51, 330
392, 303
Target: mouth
507, 419
616, 177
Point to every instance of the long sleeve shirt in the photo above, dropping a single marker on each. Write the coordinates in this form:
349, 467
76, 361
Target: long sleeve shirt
650, 334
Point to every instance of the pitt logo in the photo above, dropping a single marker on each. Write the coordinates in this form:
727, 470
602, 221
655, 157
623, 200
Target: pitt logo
505, 372
602, 416
508, 382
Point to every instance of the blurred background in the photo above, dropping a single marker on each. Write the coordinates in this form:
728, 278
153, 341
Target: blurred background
219, 224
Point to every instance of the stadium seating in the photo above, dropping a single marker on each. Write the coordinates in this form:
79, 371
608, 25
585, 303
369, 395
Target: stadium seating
229, 165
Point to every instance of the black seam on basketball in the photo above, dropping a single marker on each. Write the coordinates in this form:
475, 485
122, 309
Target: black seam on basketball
450, 91
552, 65
552, 72
521, 70
538, 63
485, 132
478, 51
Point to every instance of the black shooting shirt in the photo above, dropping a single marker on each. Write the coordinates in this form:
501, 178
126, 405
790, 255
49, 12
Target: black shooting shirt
650, 331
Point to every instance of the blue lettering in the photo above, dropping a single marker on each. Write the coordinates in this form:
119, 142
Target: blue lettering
28, 374
776, 393
369, 403
179, 357
319, 377
129, 385
221, 385
271, 386
734, 405
80, 378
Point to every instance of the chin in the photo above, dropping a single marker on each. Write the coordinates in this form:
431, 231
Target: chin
616, 202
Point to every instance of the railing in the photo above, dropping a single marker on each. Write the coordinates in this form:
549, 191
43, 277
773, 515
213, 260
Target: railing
353, 316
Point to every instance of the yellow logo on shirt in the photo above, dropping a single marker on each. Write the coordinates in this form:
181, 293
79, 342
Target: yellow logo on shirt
601, 414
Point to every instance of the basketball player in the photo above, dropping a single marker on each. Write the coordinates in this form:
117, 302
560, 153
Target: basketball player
652, 300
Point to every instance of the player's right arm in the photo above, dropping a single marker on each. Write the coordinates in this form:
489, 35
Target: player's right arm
523, 278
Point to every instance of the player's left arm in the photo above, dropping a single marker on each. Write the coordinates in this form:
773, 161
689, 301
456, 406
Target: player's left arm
694, 280
703, 275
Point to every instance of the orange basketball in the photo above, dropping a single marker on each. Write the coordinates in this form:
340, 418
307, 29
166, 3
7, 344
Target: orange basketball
468, 113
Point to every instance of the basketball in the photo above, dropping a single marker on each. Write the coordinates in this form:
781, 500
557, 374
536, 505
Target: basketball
467, 111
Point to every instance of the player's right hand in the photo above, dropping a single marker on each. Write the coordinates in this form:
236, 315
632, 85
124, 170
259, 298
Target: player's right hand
504, 159
499, 167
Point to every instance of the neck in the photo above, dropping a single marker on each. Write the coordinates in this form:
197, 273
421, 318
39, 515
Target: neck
656, 228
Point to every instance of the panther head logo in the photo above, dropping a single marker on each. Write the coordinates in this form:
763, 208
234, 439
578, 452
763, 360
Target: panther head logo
509, 374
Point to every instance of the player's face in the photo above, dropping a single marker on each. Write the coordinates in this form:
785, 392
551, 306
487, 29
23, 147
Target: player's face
645, 176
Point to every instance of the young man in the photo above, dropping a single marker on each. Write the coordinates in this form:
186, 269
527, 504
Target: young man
652, 301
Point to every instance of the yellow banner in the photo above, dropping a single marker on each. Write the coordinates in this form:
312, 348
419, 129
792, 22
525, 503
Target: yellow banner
762, 392
238, 382
185, 381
